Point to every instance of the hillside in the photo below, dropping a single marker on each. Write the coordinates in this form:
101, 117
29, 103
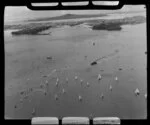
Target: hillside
67, 16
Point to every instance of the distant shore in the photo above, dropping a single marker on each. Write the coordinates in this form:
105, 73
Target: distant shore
97, 24
115, 24
31, 30
67, 16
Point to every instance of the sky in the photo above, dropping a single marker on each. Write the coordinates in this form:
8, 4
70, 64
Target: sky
23, 13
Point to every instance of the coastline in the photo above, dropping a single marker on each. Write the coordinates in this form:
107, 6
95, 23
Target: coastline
101, 24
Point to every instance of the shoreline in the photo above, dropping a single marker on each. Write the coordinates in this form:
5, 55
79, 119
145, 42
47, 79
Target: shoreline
101, 24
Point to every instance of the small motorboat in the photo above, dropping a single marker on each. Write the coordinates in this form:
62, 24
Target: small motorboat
56, 97
57, 80
80, 98
56, 84
99, 77
76, 77
63, 91
88, 84
81, 81
33, 112
137, 92
102, 96
94, 63
145, 96
116, 78
110, 88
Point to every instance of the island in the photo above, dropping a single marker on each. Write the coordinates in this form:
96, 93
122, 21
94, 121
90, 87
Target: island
115, 24
94, 24
31, 30
67, 16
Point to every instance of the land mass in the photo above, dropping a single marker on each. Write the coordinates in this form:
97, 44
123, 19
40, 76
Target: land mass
115, 24
31, 31
76, 16
67, 16
96, 24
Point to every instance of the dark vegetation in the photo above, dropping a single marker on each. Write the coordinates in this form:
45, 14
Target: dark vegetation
31, 31
115, 24
96, 24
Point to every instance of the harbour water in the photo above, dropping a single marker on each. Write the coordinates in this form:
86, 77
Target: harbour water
71, 50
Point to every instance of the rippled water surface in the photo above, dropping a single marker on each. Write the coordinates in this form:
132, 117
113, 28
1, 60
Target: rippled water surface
72, 51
